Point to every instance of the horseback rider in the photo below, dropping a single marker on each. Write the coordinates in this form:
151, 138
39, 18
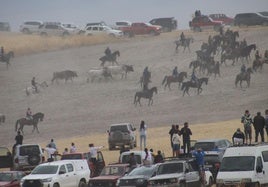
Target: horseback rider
182, 38
29, 114
34, 84
107, 51
146, 78
257, 55
209, 40
243, 44
175, 73
194, 78
243, 69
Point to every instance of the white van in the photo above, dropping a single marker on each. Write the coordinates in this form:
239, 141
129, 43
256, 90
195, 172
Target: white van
246, 165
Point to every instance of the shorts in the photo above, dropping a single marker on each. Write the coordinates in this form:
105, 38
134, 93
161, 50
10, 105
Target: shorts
248, 133
238, 141
176, 147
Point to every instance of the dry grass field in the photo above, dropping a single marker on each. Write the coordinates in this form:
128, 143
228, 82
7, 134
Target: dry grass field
81, 112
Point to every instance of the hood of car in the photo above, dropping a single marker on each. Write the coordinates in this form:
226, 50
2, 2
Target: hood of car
167, 176
134, 177
37, 176
105, 178
3, 183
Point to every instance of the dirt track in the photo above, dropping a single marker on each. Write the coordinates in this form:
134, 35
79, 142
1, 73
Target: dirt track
80, 108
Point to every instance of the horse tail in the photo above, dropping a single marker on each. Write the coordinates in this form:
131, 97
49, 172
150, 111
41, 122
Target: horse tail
16, 126
163, 82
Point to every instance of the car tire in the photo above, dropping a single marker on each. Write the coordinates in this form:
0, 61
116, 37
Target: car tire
152, 33
82, 184
197, 29
34, 160
128, 34
56, 185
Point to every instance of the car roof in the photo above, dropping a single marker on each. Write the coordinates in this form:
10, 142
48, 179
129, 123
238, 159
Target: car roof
119, 164
58, 162
11, 171
135, 152
119, 124
211, 140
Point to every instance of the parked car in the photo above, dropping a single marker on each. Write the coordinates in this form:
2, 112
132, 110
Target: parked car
223, 18
140, 28
179, 172
94, 168
244, 166
109, 175
62, 173
4, 26
204, 22
100, 29
119, 24
73, 29
248, 19
122, 134
102, 23
139, 156
55, 29
212, 144
168, 24
137, 177
29, 27
11, 178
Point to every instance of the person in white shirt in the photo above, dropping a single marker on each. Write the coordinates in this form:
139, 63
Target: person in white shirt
143, 133
148, 160
73, 148
50, 153
176, 144
94, 152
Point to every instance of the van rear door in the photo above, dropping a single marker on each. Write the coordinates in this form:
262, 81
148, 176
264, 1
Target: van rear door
264, 155
5, 158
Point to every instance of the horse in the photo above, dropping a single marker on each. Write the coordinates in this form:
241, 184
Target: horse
214, 68
185, 44
257, 64
186, 85
110, 58
99, 74
147, 94
243, 77
31, 122
31, 90
122, 70
245, 52
195, 64
169, 79
6, 58
66, 75
2, 118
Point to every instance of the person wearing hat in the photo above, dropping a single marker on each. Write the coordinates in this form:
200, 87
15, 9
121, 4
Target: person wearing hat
238, 137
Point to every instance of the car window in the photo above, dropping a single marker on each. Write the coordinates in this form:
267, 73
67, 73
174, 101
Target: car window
205, 146
100, 157
170, 168
52, 26
265, 156
20, 175
28, 150
70, 167
95, 28
5, 177
45, 170
125, 158
193, 165
62, 169
122, 128
4, 151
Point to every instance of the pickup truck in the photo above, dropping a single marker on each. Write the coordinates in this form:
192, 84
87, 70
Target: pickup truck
67, 173
141, 28
204, 22
95, 169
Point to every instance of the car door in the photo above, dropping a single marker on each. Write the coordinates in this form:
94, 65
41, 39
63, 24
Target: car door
192, 175
72, 174
5, 158
64, 178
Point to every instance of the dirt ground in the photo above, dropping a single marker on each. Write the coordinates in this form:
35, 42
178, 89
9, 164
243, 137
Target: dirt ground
78, 108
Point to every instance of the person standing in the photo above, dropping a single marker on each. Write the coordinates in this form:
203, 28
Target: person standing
246, 119
238, 137
52, 143
143, 134
186, 133
65, 151
18, 139
94, 152
199, 155
148, 157
159, 157
171, 132
73, 148
176, 144
34, 85
266, 123
259, 124
132, 161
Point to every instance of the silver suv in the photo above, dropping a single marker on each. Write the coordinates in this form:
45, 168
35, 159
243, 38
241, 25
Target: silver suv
27, 156
122, 134
29, 27
55, 29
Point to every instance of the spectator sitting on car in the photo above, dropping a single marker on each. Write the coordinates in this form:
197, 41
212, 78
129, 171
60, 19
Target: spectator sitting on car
238, 137
73, 148
158, 158
132, 161
52, 143
50, 153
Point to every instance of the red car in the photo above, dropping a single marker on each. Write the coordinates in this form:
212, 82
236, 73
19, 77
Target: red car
203, 22
141, 28
109, 175
11, 178
222, 17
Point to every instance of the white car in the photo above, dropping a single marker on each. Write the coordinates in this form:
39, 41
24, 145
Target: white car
73, 29
102, 29
29, 27
63, 173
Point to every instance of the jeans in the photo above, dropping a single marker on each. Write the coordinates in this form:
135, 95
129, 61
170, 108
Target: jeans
142, 139
186, 144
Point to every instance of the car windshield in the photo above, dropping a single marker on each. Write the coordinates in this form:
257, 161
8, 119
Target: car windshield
113, 170
170, 168
145, 171
45, 170
71, 156
205, 146
241, 163
264, 13
5, 177
125, 159
122, 128
29, 149
212, 158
